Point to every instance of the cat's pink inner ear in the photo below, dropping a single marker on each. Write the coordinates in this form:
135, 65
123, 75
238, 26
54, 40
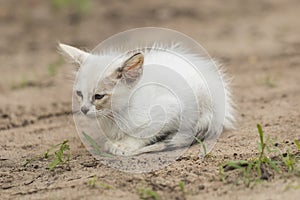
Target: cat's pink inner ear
134, 62
132, 69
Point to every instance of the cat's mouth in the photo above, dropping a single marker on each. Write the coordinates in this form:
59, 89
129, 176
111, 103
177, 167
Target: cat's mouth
91, 114
99, 113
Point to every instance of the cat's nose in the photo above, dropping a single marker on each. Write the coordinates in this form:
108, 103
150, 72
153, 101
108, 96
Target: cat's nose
84, 109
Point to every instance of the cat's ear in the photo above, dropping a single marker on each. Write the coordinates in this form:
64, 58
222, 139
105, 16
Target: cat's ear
132, 69
75, 55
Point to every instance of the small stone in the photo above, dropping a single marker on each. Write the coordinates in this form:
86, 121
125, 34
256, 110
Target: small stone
284, 154
201, 187
25, 123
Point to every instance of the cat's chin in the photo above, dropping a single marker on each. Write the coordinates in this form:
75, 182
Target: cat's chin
91, 114
95, 114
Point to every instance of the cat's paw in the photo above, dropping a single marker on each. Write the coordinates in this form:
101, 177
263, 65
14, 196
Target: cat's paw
120, 149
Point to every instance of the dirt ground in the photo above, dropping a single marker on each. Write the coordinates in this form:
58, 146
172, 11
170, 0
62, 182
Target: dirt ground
258, 42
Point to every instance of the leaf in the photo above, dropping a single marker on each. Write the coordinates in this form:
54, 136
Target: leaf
148, 193
235, 164
258, 167
248, 169
262, 143
272, 164
59, 154
297, 144
93, 182
46, 154
181, 185
105, 185
261, 136
53, 164
202, 145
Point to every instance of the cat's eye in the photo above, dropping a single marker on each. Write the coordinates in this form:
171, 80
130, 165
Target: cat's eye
98, 96
78, 93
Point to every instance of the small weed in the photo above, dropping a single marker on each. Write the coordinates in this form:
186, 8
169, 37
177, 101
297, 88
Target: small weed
295, 187
59, 155
52, 67
94, 182
291, 160
52, 70
95, 146
203, 146
181, 186
79, 6
24, 82
297, 145
260, 168
148, 194
182, 189
269, 81
28, 161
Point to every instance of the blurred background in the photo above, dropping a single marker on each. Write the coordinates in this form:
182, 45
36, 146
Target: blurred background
30, 29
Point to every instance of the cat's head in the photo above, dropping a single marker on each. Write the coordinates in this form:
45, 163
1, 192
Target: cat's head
95, 84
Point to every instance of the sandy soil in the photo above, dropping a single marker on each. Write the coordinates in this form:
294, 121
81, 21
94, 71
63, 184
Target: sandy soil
257, 41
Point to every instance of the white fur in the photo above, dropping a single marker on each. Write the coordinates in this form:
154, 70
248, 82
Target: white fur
135, 128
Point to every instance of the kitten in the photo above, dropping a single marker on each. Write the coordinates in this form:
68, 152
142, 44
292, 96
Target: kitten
138, 117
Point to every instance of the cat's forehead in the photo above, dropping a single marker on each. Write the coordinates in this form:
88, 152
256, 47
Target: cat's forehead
94, 69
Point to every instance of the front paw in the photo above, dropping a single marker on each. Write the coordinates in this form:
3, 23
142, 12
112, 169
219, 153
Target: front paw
119, 149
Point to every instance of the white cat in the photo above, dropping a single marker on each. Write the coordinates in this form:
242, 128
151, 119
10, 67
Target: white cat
150, 100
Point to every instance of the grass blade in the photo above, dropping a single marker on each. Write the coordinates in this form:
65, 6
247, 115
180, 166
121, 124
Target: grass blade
202, 145
297, 144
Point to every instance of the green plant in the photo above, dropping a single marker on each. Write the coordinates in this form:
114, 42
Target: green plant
243, 165
58, 152
59, 155
203, 146
80, 6
295, 187
297, 145
182, 189
94, 182
254, 169
269, 81
24, 82
181, 186
148, 194
259, 168
264, 159
291, 160
52, 69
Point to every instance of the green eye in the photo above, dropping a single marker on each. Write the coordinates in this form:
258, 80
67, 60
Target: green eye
98, 96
